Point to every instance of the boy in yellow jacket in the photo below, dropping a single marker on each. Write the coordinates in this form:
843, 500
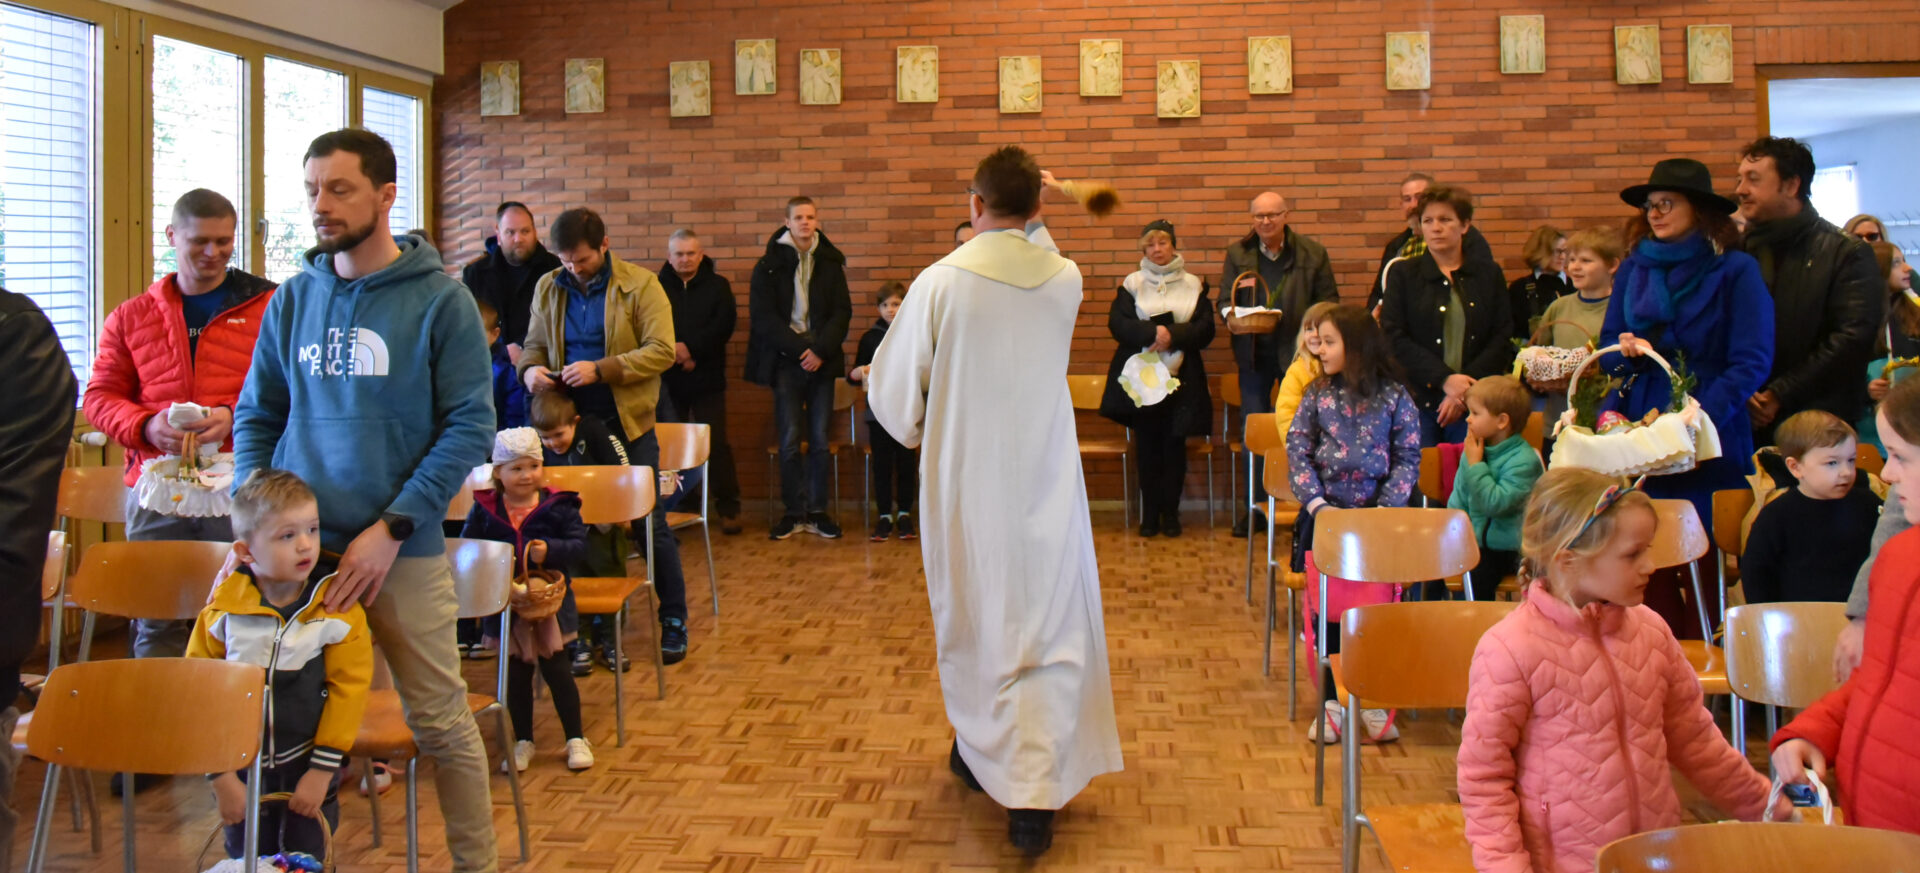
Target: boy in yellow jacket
270, 615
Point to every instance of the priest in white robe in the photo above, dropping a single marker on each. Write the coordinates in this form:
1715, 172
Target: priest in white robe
973, 371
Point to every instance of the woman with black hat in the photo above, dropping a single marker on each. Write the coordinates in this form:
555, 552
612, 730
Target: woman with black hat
1153, 321
1687, 291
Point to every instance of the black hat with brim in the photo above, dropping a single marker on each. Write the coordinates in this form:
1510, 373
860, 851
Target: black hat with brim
1682, 176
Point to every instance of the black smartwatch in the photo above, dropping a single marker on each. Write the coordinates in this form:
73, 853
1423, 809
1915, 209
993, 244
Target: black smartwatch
399, 527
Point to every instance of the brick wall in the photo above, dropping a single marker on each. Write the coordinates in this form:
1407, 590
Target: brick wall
890, 177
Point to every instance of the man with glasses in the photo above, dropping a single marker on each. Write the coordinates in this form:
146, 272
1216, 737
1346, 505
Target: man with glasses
1294, 273
1828, 294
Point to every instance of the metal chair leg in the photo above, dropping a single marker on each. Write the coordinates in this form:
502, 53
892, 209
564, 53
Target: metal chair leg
659, 660
513, 779
43, 820
1350, 790
1326, 726
1266, 651
86, 637
1210, 500
1737, 725
373, 796
126, 820
83, 782
619, 675
1293, 656
413, 813
713, 580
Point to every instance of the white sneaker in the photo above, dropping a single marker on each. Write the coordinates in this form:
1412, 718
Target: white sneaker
522, 756
1337, 716
1378, 727
579, 754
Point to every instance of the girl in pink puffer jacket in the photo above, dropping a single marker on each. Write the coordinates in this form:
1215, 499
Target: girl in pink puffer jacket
1581, 699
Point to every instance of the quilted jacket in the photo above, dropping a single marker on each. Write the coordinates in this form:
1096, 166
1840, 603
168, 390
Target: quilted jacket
145, 365
1573, 718
1865, 727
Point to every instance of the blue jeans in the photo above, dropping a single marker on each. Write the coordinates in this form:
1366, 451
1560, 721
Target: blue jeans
803, 400
1432, 434
1256, 396
668, 582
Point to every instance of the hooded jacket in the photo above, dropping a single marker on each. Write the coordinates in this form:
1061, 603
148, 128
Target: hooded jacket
145, 364
770, 308
377, 391
1309, 280
1573, 720
1829, 302
319, 663
704, 315
639, 339
555, 520
507, 288
34, 436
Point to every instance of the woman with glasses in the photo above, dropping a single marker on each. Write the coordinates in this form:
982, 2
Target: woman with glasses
1865, 228
1687, 291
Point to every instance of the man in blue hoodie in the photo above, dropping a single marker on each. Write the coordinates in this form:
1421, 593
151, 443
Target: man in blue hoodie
371, 382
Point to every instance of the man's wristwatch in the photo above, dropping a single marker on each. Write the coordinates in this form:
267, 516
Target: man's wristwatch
399, 526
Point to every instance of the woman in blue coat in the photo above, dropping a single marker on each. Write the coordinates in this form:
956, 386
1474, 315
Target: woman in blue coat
1686, 291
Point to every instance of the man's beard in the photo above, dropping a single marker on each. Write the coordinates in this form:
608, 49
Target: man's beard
346, 242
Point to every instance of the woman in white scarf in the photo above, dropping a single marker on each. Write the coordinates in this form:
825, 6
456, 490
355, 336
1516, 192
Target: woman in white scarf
1157, 385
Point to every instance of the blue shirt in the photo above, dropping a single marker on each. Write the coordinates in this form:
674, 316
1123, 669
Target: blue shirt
199, 309
586, 336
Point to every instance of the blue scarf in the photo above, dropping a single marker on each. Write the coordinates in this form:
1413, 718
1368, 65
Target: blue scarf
1661, 275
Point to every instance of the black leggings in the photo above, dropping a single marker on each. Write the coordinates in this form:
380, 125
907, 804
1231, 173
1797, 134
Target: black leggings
896, 471
557, 670
1161, 458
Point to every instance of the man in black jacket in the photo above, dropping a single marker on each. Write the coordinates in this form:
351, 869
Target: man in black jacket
505, 276
798, 310
37, 380
1829, 298
703, 321
1295, 274
1408, 243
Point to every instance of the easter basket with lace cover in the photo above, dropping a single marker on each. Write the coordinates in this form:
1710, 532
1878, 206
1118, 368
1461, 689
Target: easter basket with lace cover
1547, 368
1252, 319
1666, 441
192, 484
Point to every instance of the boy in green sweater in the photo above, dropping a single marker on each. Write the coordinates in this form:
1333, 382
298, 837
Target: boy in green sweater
1497, 472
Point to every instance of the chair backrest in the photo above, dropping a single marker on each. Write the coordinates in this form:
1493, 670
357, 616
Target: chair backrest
482, 575
1730, 508
1781, 654
1755, 847
1868, 459
462, 501
845, 395
1086, 389
683, 446
1429, 482
1535, 433
102, 715
54, 570
1394, 544
1680, 537
1279, 476
1263, 434
93, 494
608, 494
1229, 391
150, 579
1414, 655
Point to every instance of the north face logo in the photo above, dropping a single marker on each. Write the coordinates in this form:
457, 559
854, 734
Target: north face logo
355, 352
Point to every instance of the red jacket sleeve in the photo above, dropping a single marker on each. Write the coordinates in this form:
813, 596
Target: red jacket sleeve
1821, 723
109, 403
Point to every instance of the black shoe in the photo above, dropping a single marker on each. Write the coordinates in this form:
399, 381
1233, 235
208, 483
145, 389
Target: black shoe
881, 530
1170, 525
582, 658
903, 527
1150, 525
604, 657
673, 640
1260, 523
730, 525
784, 528
141, 782
959, 767
1030, 830
822, 524
1240, 528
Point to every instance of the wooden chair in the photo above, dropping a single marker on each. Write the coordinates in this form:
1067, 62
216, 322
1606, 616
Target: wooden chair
1227, 388
1407, 656
1680, 539
1868, 459
1430, 486
1382, 545
686, 447
845, 397
53, 588
1755, 847
1280, 494
615, 495
1535, 432
87, 494
83, 718
1086, 390
1780, 654
1263, 439
1202, 447
482, 580
151, 579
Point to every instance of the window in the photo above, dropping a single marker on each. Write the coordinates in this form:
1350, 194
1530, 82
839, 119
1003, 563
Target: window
302, 102
199, 133
48, 184
397, 118
1836, 192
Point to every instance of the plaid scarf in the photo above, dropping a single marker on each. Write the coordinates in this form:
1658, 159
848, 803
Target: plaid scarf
1415, 247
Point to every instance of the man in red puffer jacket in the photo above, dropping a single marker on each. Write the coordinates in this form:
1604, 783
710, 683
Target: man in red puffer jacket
188, 339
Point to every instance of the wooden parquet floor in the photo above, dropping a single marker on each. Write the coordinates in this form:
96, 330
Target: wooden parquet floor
805, 733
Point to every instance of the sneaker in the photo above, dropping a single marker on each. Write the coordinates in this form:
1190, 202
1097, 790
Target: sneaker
604, 657
784, 528
1379, 726
579, 754
673, 640
822, 524
382, 778
1336, 716
483, 651
903, 527
582, 658
882, 529
521, 757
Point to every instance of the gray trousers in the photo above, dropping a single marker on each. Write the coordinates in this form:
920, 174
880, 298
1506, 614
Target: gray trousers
9, 768
168, 639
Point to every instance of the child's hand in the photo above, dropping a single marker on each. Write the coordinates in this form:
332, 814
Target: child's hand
536, 551
230, 794
1877, 389
310, 793
1794, 757
1474, 450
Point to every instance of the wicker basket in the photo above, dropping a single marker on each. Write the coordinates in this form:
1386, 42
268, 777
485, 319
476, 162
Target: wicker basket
1252, 322
326, 832
1549, 369
1674, 442
537, 593
190, 484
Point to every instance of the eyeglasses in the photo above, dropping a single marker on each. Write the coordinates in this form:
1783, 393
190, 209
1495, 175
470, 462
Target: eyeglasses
1868, 237
1269, 216
1659, 207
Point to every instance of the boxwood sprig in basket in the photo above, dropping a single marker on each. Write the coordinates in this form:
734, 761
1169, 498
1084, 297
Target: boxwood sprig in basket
1683, 383
1586, 399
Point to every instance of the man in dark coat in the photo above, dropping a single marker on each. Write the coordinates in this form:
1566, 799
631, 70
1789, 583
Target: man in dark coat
1829, 298
504, 277
703, 320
